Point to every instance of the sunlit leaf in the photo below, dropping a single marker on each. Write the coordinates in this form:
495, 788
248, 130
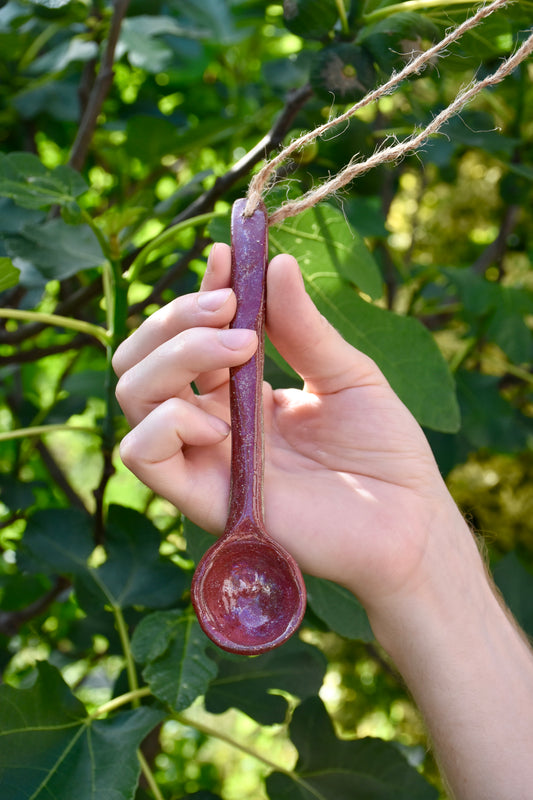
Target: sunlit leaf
51, 3
401, 346
9, 274
321, 239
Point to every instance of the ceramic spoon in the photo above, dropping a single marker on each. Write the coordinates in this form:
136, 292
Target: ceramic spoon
248, 591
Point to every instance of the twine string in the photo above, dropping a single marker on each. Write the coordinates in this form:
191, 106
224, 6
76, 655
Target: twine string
261, 181
396, 152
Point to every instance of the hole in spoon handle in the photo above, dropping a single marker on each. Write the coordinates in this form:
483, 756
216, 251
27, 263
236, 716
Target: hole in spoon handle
249, 257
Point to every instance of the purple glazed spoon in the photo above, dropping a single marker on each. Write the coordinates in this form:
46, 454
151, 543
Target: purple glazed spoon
248, 592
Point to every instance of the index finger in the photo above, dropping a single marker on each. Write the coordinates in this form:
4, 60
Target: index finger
213, 306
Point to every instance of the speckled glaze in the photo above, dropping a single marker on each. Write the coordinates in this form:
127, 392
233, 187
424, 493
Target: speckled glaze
247, 591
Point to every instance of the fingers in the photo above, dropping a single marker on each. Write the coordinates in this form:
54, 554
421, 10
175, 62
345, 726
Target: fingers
154, 451
214, 306
218, 270
174, 365
306, 340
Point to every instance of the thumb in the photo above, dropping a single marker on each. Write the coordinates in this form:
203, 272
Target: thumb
305, 338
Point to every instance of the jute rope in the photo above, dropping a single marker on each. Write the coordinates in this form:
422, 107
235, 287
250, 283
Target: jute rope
393, 153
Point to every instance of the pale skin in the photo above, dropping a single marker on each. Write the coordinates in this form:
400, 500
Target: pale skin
353, 492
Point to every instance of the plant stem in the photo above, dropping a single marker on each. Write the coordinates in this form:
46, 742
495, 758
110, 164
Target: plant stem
102, 241
126, 648
121, 700
410, 5
100, 89
164, 237
55, 320
42, 430
149, 776
342, 16
519, 372
224, 737
36, 45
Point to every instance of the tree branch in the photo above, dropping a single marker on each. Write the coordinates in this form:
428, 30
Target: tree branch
36, 353
99, 91
12, 621
171, 275
205, 202
78, 299
58, 476
496, 250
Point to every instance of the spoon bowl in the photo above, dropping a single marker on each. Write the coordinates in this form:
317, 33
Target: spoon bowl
249, 593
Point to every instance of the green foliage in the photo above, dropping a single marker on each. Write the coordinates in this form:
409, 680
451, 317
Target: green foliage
112, 187
335, 770
173, 647
51, 747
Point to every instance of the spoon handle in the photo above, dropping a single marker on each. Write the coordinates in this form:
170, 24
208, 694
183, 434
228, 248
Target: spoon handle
249, 255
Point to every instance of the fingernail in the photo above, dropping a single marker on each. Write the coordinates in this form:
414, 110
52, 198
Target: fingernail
236, 338
212, 301
219, 425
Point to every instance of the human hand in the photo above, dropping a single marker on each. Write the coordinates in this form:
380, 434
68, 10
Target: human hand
351, 486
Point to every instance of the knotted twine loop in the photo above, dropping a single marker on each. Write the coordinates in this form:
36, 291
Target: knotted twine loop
393, 153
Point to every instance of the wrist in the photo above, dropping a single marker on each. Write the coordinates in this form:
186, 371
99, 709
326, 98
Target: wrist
450, 581
469, 669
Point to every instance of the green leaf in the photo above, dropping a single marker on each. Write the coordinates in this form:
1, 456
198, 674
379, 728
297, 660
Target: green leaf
51, 748
338, 608
56, 250
51, 3
247, 683
59, 58
332, 769
57, 99
401, 346
310, 19
9, 275
172, 645
25, 179
322, 237
58, 540
515, 582
198, 540
15, 494
150, 138
215, 18
134, 574
13, 217
509, 331
365, 214
503, 307
489, 421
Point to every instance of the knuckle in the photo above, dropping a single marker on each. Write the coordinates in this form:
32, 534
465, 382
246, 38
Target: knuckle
128, 450
122, 389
